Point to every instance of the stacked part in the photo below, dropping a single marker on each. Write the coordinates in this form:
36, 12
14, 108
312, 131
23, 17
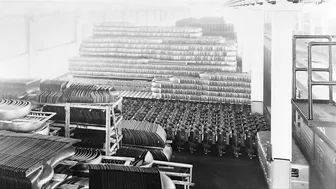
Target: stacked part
85, 116
213, 26
16, 115
142, 133
51, 91
233, 88
27, 160
106, 176
129, 57
18, 88
55, 91
13, 109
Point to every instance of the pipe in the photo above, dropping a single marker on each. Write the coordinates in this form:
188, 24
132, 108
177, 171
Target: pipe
313, 69
294, 67
327, 83
331, 98
310, 90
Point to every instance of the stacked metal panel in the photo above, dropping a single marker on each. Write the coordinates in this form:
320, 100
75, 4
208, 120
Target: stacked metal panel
27, 160
55, 91
113, 176
129, 57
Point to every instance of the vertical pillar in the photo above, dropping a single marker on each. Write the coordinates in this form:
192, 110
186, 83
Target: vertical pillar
253, 57
240, 22
283, 24
245, 39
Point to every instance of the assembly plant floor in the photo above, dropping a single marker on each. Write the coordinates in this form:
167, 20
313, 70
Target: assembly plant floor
227, 172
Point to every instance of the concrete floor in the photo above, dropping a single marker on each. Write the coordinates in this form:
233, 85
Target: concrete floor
226, 172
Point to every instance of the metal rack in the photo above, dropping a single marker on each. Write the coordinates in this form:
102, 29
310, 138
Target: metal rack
112, 131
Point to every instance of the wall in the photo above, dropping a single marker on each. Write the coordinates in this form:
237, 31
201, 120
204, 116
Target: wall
13, 45
39, 38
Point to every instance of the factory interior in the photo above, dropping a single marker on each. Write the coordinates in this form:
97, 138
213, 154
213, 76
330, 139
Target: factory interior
197, 94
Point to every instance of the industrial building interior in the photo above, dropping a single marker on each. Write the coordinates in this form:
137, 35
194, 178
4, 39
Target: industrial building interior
197, 94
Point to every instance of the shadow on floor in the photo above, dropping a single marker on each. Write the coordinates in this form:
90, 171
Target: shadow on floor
226, 172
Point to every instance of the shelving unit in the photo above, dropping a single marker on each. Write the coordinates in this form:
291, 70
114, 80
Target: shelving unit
113, 133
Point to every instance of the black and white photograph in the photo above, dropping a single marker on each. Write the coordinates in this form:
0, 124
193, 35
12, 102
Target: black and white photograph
167, 94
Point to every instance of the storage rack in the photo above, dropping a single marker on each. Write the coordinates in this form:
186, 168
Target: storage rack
111, 131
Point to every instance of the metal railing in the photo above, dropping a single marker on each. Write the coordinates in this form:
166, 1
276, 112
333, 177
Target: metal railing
311, 83
310, 69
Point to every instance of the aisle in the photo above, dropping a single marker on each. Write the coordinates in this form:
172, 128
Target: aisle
227, 172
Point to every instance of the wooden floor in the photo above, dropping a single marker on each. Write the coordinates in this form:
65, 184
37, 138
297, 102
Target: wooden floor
227, 172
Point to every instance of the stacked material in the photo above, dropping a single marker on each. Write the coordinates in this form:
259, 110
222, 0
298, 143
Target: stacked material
157, 154
142, 157
75, 165
82, 157
200, 124
16, 115
197, 51
89, 94
85, 116
51, 91
87, 155
89, 138
128, 57
108, 30
55, 91
107, 176
213, 26
13, 109
142, 133
27, 160
17, 88
230, 88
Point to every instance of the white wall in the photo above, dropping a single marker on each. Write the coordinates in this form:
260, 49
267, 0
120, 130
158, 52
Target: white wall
45, 35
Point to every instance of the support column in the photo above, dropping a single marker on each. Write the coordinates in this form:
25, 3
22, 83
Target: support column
283, 24
253, 57
242, 33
